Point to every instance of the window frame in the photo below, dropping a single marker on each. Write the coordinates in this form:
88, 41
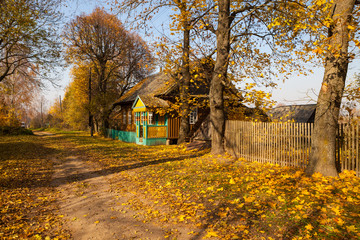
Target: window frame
193, 116
150, 118
129, 117
124, 117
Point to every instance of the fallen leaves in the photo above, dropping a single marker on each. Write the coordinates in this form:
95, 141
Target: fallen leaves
26, 200
242, 200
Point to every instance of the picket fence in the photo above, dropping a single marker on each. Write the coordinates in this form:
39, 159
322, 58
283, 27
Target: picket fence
288, 144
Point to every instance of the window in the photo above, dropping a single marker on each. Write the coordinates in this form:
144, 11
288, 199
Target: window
124, 117
136, 117
129, 117
193, 116
150, 118
161, 120
142, 118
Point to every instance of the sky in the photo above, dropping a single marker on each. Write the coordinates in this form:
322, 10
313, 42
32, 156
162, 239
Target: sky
296, 90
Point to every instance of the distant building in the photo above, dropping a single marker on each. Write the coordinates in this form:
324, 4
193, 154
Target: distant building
295, 113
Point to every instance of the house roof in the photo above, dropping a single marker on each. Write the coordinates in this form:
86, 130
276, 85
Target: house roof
152, 101
154, 90
149, 88
298, 113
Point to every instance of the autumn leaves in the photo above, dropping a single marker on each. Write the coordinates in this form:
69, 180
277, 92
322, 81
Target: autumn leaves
107, 61
196, 192
230, 201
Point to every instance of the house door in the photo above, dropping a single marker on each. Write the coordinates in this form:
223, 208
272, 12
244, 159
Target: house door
141, 133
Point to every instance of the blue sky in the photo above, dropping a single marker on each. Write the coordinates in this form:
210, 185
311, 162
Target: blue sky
296, 90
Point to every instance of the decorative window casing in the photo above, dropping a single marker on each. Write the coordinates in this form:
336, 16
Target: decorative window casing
150, 118
142, 118
124, 117
193, 117
129, 117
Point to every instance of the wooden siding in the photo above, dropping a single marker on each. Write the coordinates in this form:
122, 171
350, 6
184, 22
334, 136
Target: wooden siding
173, 127
156, 132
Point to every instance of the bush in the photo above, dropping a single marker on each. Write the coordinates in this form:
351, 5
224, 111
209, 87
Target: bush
5, 130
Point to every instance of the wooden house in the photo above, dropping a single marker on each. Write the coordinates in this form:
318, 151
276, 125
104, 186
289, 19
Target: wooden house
144, 114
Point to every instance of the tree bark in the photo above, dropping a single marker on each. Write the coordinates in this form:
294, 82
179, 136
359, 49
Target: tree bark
322, 157
185, 85
216, 96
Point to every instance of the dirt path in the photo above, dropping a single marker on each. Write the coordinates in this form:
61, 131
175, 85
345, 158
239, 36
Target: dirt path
91, 210
89, 207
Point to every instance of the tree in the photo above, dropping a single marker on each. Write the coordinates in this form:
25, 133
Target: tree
238, 22
28, 36
75, 104
322, 157
351, 100
115, 56
187, 14
18, 93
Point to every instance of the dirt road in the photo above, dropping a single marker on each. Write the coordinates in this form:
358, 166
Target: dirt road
90, 209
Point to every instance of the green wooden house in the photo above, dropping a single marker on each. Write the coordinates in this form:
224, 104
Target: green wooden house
142, 117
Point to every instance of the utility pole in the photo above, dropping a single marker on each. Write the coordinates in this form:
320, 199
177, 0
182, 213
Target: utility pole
41, 113
60, 103
91, 125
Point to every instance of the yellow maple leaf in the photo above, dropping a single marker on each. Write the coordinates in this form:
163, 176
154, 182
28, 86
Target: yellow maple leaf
309, 227
232, 181
222, 214
340, 221
351, 228
210, 234
249, 199
281, 199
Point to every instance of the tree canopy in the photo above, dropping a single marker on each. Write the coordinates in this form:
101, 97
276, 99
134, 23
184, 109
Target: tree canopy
115, 57
28, 37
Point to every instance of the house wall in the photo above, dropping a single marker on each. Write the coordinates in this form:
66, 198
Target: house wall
173, 128
127, 136
122, 135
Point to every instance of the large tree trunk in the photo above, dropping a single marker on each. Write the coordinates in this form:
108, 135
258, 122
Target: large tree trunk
322, 157
216, 96
185, 86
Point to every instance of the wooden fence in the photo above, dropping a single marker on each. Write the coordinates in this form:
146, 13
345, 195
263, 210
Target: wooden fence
347, 154
288, 144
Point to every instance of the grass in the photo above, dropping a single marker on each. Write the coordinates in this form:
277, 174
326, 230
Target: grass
215, 198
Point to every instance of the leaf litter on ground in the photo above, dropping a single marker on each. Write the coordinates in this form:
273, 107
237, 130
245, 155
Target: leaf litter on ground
216, 198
